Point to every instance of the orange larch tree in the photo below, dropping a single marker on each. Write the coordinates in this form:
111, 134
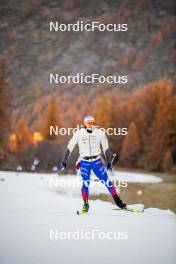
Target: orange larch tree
131, 147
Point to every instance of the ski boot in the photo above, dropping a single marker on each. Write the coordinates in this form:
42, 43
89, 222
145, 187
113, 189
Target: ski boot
85, 207
119, 202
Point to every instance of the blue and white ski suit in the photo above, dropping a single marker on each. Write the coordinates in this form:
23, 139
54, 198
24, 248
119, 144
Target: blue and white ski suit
90, 145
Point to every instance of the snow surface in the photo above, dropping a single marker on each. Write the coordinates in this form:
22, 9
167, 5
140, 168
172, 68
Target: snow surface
32, 209
70, 185
136, 177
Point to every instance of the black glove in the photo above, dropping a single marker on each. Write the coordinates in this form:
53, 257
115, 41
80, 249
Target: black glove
109, 166
117, 158
63, 165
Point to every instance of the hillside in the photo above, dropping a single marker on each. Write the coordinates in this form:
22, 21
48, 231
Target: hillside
145, 52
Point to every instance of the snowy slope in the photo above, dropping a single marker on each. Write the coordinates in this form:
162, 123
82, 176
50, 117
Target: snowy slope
32, 210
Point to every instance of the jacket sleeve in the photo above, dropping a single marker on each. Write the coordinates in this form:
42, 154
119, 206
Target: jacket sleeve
104, 142
73, 141
66, 156
105, 146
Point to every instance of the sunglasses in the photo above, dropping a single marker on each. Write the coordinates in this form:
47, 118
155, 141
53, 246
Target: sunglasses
89, 123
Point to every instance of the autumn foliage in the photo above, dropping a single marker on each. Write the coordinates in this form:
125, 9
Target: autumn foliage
149, 113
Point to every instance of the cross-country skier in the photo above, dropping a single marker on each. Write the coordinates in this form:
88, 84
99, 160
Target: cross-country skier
90, 139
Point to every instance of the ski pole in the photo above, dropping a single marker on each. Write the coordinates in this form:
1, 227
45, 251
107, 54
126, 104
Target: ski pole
113, 157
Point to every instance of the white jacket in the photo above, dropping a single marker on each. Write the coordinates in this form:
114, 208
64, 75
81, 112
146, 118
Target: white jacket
89, 143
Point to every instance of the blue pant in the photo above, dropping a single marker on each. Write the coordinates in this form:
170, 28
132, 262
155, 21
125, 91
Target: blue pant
100, 172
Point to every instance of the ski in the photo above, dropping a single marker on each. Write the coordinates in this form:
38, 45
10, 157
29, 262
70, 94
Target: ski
80, 212
133, 210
